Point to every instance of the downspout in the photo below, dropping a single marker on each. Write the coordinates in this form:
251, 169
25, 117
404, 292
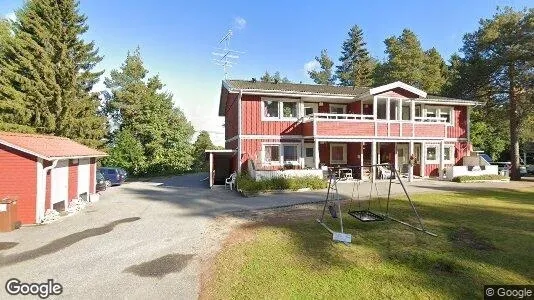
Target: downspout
45, 170
239, 153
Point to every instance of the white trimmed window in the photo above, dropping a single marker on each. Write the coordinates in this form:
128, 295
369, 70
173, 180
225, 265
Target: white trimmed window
338, 108
444, 112
448, 155
278, 109
432, 154
338, 154
280, 154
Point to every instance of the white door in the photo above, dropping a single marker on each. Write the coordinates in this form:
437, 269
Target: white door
309, 161
60, 182
84, 176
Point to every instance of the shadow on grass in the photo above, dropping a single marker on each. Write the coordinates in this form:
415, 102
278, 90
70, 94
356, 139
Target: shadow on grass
476, 229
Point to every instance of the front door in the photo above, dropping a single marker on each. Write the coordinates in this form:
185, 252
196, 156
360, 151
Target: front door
403, 158
309, 161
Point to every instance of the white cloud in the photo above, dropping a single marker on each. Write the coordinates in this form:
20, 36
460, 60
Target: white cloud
11, 16
240, 23
311, 66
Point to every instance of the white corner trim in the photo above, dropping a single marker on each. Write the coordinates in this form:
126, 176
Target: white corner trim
40, 196
397, 84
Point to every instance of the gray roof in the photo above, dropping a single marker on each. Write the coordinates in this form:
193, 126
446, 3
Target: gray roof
297, 88
300, 89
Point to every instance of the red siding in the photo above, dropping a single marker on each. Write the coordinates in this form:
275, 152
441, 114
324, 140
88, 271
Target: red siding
394, 129
18, 179
354, 108
398, 93
252, 123
353, 154
407, 129
73, 179
307, 129
459, 130
336, 128
429, 130
231, 115
382, 129
251, 149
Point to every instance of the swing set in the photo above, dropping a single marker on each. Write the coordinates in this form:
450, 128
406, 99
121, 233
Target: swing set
364, 213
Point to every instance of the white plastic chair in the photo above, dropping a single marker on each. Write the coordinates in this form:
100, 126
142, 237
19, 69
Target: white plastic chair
230, 181
384, 173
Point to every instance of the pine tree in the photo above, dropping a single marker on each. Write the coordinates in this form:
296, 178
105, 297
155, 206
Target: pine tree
266, 77
357, 65
138, 104
202, 144
498, 69
324, 75
434, 72
47, 75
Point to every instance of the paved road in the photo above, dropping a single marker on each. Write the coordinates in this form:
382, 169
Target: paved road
141, 239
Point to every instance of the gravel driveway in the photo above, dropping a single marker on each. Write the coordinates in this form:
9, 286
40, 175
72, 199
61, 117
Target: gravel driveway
142, 239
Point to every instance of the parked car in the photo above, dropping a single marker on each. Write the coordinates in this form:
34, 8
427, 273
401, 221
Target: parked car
123, 173
113, 175
506, 166
101, 184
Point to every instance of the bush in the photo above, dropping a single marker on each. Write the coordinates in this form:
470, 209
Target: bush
249, 185
468, 178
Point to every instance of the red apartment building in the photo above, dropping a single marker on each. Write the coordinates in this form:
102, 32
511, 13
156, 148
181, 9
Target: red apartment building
306, 126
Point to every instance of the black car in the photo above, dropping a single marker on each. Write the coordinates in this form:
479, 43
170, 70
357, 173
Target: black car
113, 175
100, 182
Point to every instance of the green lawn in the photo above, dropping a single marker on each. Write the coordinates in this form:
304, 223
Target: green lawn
484, 237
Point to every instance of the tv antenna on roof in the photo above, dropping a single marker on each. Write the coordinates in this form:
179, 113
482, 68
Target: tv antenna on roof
224, 55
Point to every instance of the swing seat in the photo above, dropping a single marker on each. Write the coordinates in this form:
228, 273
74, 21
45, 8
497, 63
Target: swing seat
366, 216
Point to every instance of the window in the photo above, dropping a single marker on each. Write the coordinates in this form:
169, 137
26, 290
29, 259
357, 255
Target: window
431, 113
290, 153
431, 153
309, 152
337, 109
289, 109
270, 109
406, 111
281, 154
448, 154
310, 108
272, 154
418, 110
278, 109
446, 113
338, 153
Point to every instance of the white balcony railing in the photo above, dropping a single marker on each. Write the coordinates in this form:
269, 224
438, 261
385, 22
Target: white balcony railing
359, 117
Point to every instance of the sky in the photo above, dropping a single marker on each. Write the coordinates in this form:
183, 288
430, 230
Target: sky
177, 38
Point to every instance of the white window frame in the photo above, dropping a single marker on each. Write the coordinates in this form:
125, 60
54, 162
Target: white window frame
452, 151
338, 162
432, 161
314, 106
439, 110
343, 106
281, 161
280, 102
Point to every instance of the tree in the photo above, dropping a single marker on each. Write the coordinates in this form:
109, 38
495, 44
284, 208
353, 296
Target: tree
266, 77
434, 72
202, 144
137, 104
405, 60
357, 65
276, 78
324, 75
126, 152
47, 74
498, 58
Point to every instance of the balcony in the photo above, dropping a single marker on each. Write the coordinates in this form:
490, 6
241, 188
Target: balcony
357, 125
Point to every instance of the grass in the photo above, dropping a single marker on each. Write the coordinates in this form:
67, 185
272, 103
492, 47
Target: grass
484, 237
251, 186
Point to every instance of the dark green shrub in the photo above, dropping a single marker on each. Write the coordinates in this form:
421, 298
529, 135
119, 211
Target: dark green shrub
468, 178
251, 186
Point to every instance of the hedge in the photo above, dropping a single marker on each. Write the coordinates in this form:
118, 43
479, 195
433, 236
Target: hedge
251, 186
468, 178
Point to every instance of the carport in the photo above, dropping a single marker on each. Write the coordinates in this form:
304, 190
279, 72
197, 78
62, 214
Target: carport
221, 164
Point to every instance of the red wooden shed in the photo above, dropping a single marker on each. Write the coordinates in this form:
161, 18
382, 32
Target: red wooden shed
44, 171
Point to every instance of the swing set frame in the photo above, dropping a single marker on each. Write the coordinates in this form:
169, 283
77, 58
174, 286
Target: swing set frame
365, 215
